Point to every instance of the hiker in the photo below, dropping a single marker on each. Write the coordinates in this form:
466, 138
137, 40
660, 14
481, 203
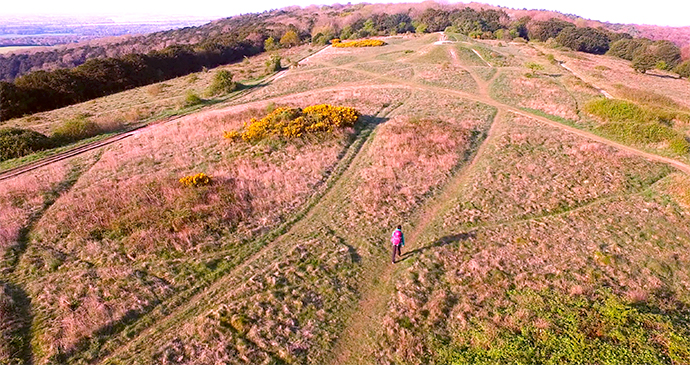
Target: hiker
398, 240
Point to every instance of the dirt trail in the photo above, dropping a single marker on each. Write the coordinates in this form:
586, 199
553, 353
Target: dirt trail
481, 84
486, 99
366, 320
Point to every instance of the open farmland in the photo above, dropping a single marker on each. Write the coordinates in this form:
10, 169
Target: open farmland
533, 236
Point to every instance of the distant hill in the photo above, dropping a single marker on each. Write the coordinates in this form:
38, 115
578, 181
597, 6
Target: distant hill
32, 30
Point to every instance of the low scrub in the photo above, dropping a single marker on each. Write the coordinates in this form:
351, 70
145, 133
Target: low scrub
360, 43
194, 181
294, 122
15, 142
603, 329
77, 128
632, 123
222, 83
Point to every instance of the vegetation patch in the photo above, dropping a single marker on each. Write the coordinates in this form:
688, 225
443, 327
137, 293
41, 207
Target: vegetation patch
632, 123
194, 181
575, 329
294, 122
358, 43
77, 128
15, 142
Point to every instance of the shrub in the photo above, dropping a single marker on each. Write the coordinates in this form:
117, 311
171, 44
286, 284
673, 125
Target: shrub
627, 49
15, 142
222, 83
294, 122
289, 39
195, 181
534, 67
79, 127
644, 62
683, 70
359, 43
270, 44
191, 99
666, 52
273, 64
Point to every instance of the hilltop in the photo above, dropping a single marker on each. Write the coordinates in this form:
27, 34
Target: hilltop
543, 193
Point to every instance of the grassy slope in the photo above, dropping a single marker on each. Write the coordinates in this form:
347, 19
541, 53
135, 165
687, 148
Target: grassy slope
279, 278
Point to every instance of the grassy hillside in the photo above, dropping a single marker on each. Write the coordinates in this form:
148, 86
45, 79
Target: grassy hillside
533, 234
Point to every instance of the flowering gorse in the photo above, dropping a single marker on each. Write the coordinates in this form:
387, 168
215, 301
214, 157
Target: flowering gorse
359, 43
295, 122
197, 180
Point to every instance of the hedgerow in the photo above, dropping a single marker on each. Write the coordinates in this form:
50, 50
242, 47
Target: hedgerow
359, 43
289, 122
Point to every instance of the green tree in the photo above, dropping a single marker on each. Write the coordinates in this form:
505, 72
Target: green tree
222, 83
667, 52
543, 30
627, 49
270, 44
586, 39
290, 39
644, 62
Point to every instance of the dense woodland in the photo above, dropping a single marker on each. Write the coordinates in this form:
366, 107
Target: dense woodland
93, 70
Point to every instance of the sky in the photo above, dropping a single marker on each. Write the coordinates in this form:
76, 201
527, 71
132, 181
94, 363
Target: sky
672, 13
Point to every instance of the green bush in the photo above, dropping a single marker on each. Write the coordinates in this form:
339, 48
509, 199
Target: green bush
15, 142
75, 129
273, 64
683, 70
627, 49
222, 83
644, 62
191, 99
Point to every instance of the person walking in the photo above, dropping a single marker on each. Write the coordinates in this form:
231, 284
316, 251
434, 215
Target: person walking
398, 240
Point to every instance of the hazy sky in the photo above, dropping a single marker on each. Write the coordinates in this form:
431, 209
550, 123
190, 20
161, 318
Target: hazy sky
673, 13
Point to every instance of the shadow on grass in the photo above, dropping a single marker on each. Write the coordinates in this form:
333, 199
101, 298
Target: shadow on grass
443, 241
20, 341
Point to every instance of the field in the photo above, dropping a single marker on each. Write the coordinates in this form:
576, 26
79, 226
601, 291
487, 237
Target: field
533, 234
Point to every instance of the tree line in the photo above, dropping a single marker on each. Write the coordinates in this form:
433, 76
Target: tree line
191, 49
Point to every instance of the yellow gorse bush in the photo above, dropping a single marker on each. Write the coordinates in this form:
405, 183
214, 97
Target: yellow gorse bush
360, 43
197, 180
294, 122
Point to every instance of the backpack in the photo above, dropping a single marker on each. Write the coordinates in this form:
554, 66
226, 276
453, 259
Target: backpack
397, 237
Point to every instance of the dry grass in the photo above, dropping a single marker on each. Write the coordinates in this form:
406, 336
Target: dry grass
408, 158
445, 75
283, 311
304, 81
21, 196
131, 206
540, 92
534, 170
78, 306
129, 211
618, 71
479, 291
